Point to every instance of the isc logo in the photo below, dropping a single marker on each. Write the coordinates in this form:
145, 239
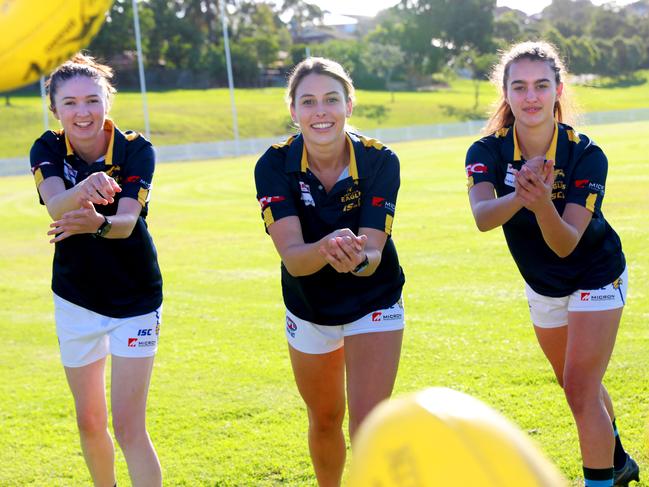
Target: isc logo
145, 332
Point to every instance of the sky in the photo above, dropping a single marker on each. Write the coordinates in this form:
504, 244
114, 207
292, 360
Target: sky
371, 7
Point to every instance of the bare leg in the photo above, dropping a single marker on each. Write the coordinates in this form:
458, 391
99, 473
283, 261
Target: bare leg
320, 380
88, 387
372, 361
129, 390
591, 337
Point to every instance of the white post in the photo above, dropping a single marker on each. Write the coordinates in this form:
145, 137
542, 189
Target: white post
228, 61
46, 118
140, 65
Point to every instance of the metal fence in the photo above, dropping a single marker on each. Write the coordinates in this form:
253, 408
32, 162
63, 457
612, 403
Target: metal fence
232, 148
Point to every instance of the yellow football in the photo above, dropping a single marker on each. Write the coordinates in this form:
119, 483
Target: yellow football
441, 437
38, 35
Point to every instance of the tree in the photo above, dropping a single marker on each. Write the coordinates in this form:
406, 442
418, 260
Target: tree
479, 65
117, 35
581, 55
301, 14
382, 60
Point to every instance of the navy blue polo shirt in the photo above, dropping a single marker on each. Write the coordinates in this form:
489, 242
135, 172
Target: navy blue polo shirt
580, 169
113, 277
365, 197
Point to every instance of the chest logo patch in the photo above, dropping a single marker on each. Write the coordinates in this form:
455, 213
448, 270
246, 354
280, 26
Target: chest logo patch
305, 196
509, 177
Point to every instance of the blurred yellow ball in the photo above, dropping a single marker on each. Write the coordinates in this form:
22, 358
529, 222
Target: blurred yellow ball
38, 35
441, 437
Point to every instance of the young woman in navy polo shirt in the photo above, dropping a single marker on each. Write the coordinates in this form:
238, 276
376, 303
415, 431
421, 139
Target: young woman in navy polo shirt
328, 198
95, 182
544, 184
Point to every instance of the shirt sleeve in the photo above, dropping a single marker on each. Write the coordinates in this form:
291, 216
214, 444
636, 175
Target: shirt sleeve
480, 165
137, 173
588, 182
45, 163
379, 198
273, 188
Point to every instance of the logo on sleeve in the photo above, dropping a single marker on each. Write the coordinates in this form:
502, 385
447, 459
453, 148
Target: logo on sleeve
581, 183
380, 202
596, 187
38, 166
264, 201
477, 168
585, 296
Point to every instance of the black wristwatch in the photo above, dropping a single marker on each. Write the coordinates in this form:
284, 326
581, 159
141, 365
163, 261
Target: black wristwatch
104, 228
362, 266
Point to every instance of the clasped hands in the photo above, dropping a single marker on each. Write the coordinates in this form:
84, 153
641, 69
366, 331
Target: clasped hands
343, 250
96, 189
533, 183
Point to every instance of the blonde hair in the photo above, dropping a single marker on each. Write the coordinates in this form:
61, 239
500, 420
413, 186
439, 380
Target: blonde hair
80, 65
318, 65
502, 116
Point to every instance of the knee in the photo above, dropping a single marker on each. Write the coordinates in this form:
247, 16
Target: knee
326, 420
358, 411
127, 431
91, 422
580, 394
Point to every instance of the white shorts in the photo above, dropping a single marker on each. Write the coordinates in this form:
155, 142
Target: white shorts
308, 337
547, 312
86, 336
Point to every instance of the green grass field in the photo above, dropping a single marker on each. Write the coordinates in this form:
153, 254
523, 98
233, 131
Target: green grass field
184, 116
224, 410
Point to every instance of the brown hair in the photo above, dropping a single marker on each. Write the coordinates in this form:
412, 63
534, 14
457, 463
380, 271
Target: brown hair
80, 65
318, 65
502, 116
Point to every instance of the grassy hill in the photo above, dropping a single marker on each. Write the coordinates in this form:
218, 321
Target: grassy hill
185, 116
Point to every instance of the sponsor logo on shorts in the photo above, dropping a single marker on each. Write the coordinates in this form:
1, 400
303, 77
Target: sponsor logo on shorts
291, 327
581, 183
136, 342
377, 201
602, 297
392, 316
144, 332
586, 296
379, 316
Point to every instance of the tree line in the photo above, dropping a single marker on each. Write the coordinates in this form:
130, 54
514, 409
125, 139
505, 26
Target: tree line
408, 45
